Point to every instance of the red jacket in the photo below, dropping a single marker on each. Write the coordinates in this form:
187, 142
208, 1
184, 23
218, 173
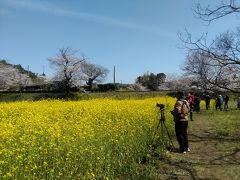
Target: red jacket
191, 100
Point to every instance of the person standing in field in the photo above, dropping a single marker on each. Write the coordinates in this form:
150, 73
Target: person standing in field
238, 103
225, 101
207, 101
191, 99
219, 102
180, 112
197, 102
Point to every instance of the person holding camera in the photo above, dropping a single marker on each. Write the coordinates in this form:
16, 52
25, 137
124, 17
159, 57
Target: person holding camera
180, 113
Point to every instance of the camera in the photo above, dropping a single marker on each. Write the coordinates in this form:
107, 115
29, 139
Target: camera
161, 106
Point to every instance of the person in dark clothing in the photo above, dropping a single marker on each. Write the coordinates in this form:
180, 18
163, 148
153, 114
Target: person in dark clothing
181, 110
238, 103
218, 103
197, 103
225, 100
207, 101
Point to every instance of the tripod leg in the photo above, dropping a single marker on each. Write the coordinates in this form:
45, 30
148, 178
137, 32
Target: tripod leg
169, 137
162, 134
155, 133
162, 130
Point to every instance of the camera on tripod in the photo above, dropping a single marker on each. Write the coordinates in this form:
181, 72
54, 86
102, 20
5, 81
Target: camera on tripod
163, 127
161, 106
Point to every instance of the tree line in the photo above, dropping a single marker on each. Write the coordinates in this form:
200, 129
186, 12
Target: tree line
72, 70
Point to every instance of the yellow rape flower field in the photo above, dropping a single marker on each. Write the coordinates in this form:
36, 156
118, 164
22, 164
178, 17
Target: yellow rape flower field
89, 139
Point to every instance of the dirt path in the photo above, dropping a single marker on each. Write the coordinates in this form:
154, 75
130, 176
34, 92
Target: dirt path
211, 157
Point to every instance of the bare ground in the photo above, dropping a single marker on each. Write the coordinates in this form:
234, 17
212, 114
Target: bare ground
211, 157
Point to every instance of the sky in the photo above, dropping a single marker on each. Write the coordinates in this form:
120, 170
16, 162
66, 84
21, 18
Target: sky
135, 36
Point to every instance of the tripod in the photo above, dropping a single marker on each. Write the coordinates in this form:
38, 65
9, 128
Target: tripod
164, 127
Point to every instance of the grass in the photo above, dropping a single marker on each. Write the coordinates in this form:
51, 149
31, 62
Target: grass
215, 148
226, 123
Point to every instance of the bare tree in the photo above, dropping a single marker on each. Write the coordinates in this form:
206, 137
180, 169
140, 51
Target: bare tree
215, 64
67, 66
93, 73
224, 8
209, 73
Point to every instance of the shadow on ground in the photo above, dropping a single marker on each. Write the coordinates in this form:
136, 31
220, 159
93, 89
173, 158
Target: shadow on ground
211, 157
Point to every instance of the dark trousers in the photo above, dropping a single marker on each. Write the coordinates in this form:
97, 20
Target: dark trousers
191, 112
218, 106
207, 105
181, 133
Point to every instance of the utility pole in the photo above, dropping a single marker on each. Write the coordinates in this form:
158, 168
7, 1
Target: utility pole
43, 74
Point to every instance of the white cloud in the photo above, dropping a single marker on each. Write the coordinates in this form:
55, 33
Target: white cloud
53, 9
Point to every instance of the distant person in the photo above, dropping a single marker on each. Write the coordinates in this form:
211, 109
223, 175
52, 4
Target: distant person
218, 102
197, 103
207, 101
180, 112
191, 99
221, 99
225, 101
238, 103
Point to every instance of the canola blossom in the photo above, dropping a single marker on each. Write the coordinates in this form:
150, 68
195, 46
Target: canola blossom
89, 139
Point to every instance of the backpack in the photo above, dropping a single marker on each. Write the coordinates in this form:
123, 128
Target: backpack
185, 108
